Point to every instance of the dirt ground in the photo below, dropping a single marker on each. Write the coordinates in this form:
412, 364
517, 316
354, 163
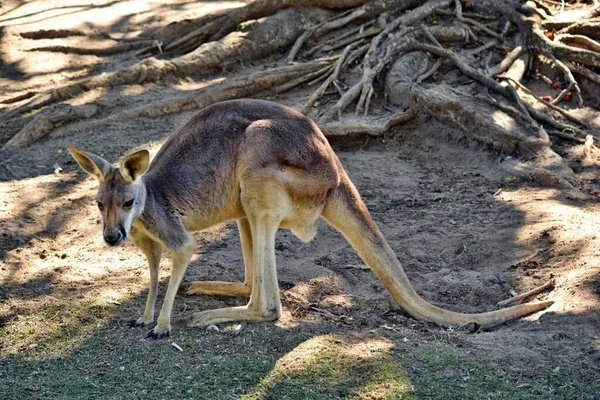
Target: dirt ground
467, 234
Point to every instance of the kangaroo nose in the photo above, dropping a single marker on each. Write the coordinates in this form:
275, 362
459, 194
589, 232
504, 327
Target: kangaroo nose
113, 238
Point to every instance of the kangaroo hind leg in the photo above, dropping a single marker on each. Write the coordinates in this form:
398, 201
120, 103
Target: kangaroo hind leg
241, 289
264, 217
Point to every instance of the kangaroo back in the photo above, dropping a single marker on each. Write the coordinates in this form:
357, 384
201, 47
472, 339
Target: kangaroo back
347, 213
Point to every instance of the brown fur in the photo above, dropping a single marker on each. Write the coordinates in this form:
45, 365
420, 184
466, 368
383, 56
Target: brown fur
268, 167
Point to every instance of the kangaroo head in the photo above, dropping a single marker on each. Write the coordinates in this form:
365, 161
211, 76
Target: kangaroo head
121, 195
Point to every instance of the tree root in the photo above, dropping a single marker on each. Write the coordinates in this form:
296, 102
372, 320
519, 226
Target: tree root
373, 128
553, 107
225, 24
506, 63
271, 35
227, 89
309, 79
240, 87
592, 76
476, 24
177, 30
106, 51
366, 12
472, 73
495, 110
376, 59
51, 34
332, 78
46, 125
588, 28
540, 175
18, 98
581, 41
43, 124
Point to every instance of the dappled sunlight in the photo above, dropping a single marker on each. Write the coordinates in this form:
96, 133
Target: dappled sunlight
133, 90
503, 120
48, 326
59, 281
106, 13
466, 235
56, 270
338, 366
567, 240
321, 298
98, 25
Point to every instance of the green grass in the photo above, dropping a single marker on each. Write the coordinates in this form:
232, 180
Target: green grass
80, 348
326, 367
442, 371
48, 326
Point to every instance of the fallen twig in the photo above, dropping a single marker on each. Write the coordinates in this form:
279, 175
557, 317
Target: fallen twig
519, 298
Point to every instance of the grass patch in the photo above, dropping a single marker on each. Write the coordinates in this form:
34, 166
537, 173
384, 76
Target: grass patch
49, 326
326, 367
75, 348
441, 371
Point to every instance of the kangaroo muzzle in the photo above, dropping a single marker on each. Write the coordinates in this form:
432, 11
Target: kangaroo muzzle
115, 237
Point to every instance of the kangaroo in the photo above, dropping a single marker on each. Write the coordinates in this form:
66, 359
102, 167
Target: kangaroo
266, 166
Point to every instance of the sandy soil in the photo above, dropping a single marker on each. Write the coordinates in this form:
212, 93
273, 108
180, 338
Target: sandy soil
467, 235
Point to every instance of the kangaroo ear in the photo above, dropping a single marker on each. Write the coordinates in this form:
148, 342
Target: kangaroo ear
134, 165
94, 165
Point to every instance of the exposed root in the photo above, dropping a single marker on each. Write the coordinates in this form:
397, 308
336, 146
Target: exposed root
177, 30
472, 73
225, 24
51, 34
376, 59
298, 45
16, 99
349, 40
373, 35
580, 41
551, 105
332, 78
244, 86
43, 124
478, 25
309, 79
588, 28
106, 51
366, 12
570, 79
506, 63
356, 54
540, 175
273, 34
430, 72
467, 14
373, 128
310, 32
592, 76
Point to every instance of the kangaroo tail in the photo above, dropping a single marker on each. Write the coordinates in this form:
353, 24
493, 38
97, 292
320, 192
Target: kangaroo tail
346, 212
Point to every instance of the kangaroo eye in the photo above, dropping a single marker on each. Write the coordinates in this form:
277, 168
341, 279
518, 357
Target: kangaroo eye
100, 205
128, 204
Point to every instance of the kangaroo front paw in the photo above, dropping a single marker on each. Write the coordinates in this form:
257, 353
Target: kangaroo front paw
159, 332
140, 322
